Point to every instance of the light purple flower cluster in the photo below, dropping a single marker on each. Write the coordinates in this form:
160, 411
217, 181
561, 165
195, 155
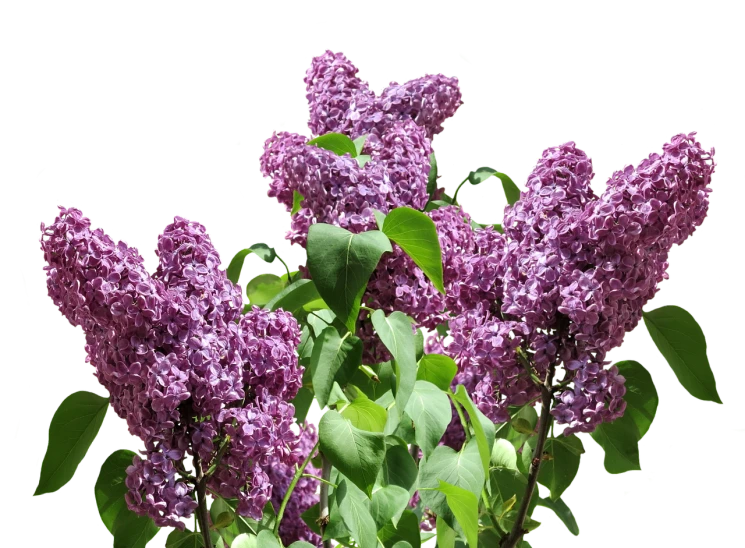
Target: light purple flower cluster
340, 102
180, 363
571, 275
399, 125
293, 528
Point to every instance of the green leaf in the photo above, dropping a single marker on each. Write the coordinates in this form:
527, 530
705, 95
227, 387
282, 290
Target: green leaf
355, 453
465, 508
222, 520
505, 483
681, 341
620, 438
379, 218
503, 454
388, 503
506, 492
298, 296
483, 428
400, 426
438, 369
248, 541
359, 144
262, 251
333, 356
265, 252
310, 517
429, 409
523, 418
416, 234
561, 463
482, 174
435, 204
301, 544
354, 508
432, 177
407, 530
240, 524
263, 288
266, 539
341, 264
365, 414
563, 512
510, 187
302, 403
184, 539
418, 345
398, 469
463, 469
73, 428
335, 142
396, 333
129, 529
297, 202
445, 534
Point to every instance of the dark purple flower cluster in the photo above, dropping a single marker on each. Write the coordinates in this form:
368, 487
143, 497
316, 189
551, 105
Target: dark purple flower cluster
293, 528
180, 363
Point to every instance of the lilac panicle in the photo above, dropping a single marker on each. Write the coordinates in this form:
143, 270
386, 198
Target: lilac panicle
333, 91
189, 262
178, 366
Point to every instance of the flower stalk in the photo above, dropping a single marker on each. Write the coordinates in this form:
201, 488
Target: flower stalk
544, 424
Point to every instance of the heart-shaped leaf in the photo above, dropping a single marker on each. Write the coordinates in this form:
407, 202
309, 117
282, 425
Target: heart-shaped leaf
341, 264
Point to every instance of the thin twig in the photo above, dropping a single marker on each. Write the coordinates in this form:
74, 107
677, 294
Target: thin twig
291, 488
202, 514
517, 532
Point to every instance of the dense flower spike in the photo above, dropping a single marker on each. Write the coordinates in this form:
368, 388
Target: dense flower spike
189, 262
340, 102
293, 528
558, 185
177, 365
333, 90
661, 202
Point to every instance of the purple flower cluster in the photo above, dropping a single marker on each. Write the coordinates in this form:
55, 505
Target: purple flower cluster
570, 277
340, 102
293, 528
180, 363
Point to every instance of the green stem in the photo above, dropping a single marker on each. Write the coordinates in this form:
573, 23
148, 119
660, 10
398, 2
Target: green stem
291, 488
489, 509
455, 196
286, 267
327, 482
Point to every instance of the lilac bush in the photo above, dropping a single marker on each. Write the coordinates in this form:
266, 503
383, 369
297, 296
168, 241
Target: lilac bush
441, 352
